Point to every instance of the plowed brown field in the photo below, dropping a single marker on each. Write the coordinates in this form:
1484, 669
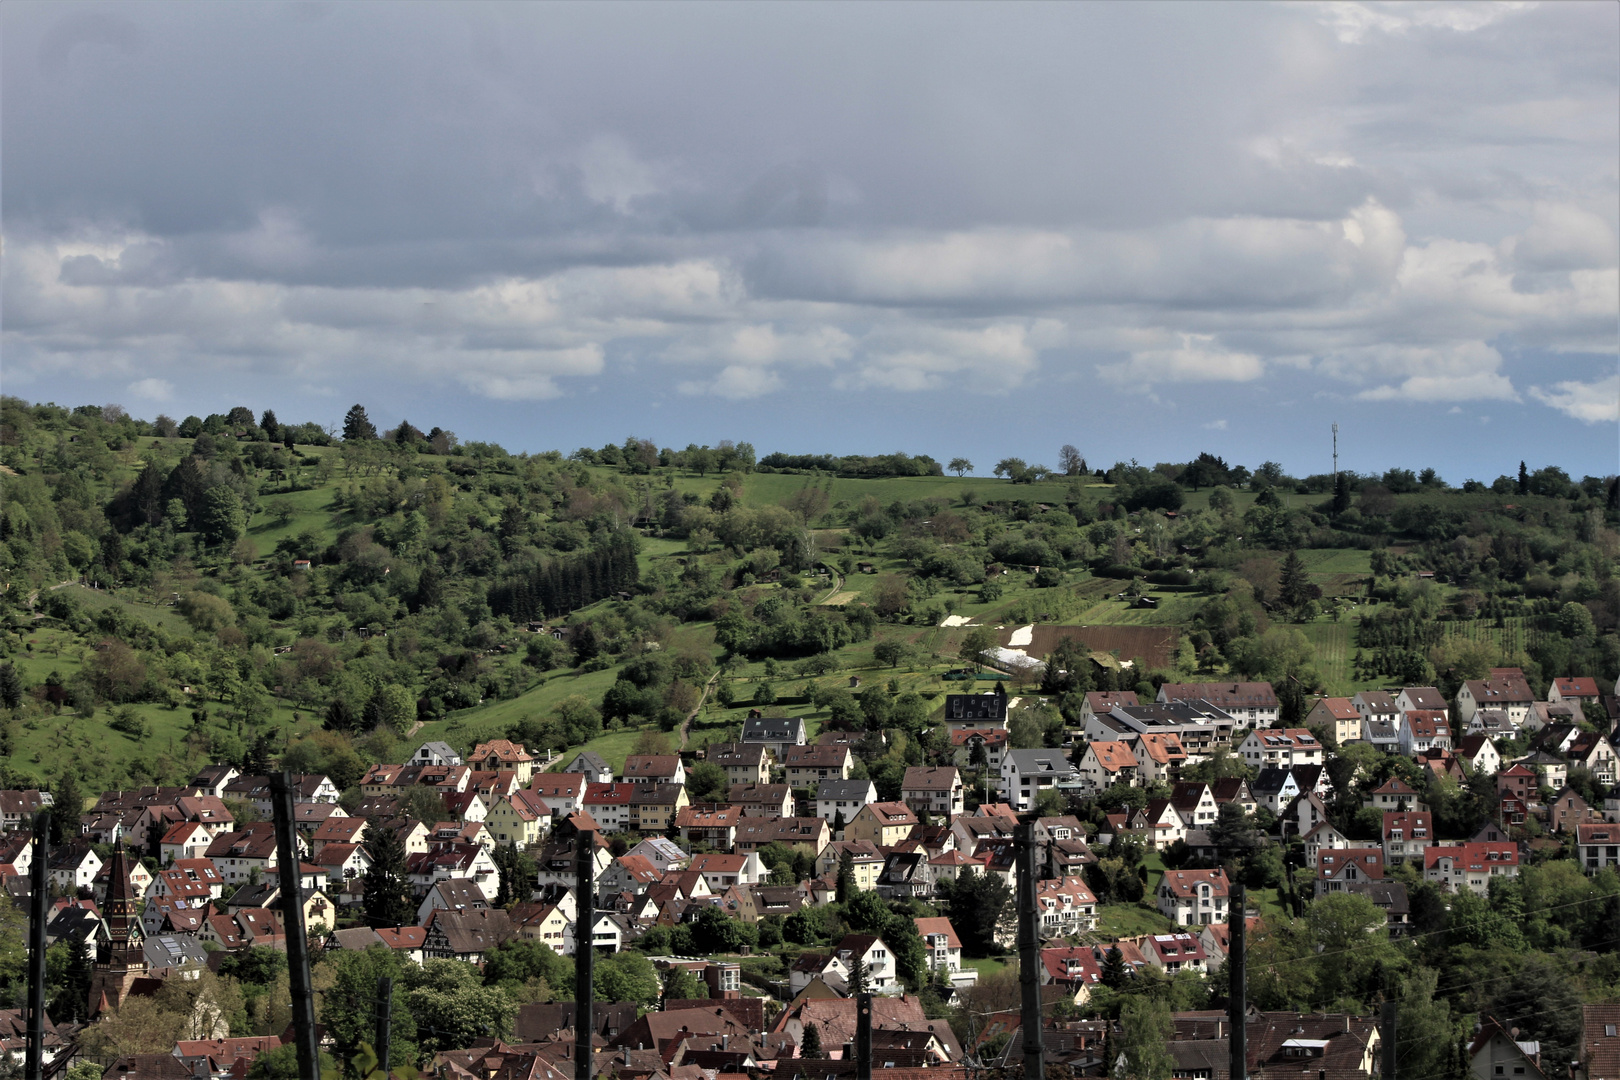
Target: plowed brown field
1155, 646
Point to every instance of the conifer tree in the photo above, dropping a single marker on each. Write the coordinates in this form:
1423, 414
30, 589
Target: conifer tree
846, 876
388, 891
812, 1042
357, 426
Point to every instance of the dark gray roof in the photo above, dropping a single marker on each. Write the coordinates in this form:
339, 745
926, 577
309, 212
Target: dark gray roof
174, 950
975, 706
772, 728
845, 789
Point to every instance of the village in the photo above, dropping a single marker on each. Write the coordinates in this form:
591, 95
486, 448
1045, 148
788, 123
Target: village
163, 885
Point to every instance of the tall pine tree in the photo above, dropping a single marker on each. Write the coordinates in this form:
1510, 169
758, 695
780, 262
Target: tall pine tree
388, 890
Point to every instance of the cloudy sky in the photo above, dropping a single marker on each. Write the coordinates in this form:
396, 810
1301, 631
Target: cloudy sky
1147, 230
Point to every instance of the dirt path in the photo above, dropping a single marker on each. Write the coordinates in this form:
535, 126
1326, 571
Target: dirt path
838, 585
686, 725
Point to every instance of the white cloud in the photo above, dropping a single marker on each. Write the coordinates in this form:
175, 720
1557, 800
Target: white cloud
1354, 22
152, 389
1456, 371
990, 359
737, 382
1215, 425
613, 174
1589, 402
1198, 358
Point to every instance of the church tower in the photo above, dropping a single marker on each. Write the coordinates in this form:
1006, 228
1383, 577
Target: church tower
120, 953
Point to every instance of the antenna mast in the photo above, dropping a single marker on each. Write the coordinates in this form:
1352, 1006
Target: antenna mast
1335, 452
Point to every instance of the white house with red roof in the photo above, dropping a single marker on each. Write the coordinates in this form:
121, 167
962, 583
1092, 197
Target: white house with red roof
1597, 846
1193, 897
1161, 756
1338, 715
1395, 794
1407, 836
944, 948
564, 792
1425, 730
1471, 866
1324, 836
1065, 906
1075, 969
184, 840
609, 805
1278, 748
1175, 952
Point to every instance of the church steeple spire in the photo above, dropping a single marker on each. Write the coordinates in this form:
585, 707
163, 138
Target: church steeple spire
120, 954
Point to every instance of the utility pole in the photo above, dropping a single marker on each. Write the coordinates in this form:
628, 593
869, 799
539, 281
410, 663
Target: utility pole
385, 1022
292, 920
1387, 1022
1237, 1005
1335, 453
584, 951
39, 906
863, 1036
1029, 956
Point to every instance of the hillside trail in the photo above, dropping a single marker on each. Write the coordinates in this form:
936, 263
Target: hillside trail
686, 725
838, 583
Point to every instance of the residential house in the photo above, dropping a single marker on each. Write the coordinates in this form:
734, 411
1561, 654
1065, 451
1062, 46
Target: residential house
1407, 836
1377, 705
523, 819
1395, 794
214, 779
1172, 953
1480, 753
1495, 1054
744, 763
721, 871
1338, 715
653, 807
469, 935
18, 807
1552, 770
1426, 698
1251, 703
711, 824
1065, 906
1566, 810
1382, 735
1103, 702
189, 879
932, 790
654, 769
1390, 898
1195, 802
435, 753
907, 874
459, 862
592, 766
1577, 691
1275, 788
1470, 865
883, 824
1496, 724
943, 946
563, 793
1337, 869
1160, 756
1234, 789
1600, 1042
628, 874
237, 855
877, 958
762, 800
977, 711
1104, 764
1597, 846
343, 862
1423, 731
609, 805
866, 861
1193, 897
1519, 781
1511, 694
184, 840
502, 755
980, 748
1158, 824
1324, 836
1280, 748
775, 733
840, 800
451, 896
807, 766
805, 834
1074, 970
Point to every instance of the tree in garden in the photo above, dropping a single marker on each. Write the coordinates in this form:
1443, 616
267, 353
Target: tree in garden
348, 1013
388, 900
627, 976
1114, 971
453, 1007
960, 466
846, 874
517, 870
978, 640
1293, 585
812, 1041
221, 518
889, 652
1070, 461
765, 694
1145, 1032
357, 426
978, 904
681, 985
